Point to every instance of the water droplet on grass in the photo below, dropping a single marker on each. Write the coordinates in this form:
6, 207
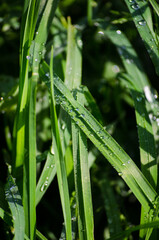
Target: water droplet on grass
101, 32
148, 94
36, 59
28, 57
44, 186
1, 98
118, 32
139, 99
135, 6
36, 33
120, 173
142, 22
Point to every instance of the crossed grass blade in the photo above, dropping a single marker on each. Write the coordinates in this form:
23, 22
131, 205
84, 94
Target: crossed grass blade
139, 86
137, 9
104, 142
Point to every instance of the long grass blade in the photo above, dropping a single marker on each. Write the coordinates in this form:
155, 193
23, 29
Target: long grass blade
137, 9
104, 142
60, 163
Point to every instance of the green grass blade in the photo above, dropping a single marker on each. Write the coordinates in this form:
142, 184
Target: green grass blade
14, 200
110, 204
137, 9
155, 6
138, 84
46, 177
40, 236
60, 163
104, 142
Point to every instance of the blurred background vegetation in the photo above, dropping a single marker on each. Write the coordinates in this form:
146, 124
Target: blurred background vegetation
101, 67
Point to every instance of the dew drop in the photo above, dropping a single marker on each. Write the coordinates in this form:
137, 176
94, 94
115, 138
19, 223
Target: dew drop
36, 33
135, 6
101, 32
118, 32
1, 98
139, 99
28, 57
80, 42
47, 75
148, 94
120, 173
128, 161
142, 22
36, 59
77, 109
82, 115
129, 61
44, 186
40, 53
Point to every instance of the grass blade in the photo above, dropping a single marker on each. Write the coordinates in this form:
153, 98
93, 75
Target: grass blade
60, 163
46, 177
14, 200
137, 9
104, 142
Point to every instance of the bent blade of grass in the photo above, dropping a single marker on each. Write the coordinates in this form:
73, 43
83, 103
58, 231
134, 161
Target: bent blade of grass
137, 9
137, 83
40, 236
14, 200
46, 177
60, 163
104, 142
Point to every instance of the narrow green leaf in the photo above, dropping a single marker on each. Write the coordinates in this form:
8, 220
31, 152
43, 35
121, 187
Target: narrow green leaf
60, 163
104, 142
137, 9
14, 200
46, 177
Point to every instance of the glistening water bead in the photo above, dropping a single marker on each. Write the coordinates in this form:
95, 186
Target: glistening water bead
135, 6
142, 22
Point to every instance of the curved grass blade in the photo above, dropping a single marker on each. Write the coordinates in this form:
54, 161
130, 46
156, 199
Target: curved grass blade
137, 83
60, 163
14, 200
137, 9
46, 177
104, 142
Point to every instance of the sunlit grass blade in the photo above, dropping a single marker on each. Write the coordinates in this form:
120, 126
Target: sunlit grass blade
15, 203
110, 204
139, 87
46, 177
104, 142
60, 163
137, 9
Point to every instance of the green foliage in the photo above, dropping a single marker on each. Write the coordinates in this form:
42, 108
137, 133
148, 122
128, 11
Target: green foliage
80, 120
